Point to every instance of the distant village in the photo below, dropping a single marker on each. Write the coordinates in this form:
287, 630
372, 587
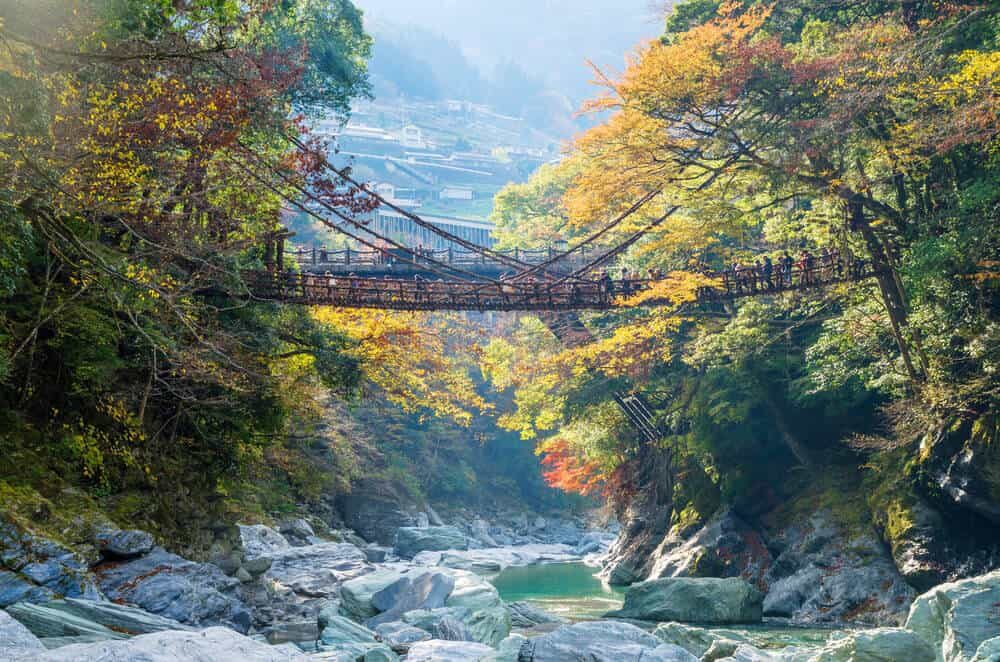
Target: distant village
443, 160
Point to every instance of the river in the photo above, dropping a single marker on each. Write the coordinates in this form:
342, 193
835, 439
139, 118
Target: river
572, 591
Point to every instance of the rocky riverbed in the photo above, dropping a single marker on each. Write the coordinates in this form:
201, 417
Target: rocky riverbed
286, 593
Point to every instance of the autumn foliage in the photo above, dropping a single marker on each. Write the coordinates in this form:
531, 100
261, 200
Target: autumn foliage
144, 159
564, 470
761, 128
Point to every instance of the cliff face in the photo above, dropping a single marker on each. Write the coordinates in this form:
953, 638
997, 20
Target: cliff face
645, 519
841, 543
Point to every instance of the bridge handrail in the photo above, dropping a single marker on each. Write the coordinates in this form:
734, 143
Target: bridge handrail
322, 256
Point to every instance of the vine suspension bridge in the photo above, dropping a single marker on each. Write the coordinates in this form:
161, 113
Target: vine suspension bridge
357, 288
387, 274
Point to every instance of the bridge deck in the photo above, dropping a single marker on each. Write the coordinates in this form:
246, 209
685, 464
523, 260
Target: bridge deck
415, 294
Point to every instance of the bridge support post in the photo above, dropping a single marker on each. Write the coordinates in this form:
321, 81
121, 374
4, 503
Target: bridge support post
314, 255
347, 256
281, 254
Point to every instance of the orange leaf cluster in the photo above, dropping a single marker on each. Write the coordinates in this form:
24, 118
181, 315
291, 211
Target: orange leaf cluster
567, 472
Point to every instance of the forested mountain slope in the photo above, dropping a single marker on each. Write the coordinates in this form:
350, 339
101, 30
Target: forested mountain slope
789, 129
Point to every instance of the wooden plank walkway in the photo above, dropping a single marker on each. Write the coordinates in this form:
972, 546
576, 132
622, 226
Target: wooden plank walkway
461, 295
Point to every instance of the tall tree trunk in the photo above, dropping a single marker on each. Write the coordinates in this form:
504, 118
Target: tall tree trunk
892, 294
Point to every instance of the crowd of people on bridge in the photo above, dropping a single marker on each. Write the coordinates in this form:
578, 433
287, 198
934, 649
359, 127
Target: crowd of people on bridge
784, 272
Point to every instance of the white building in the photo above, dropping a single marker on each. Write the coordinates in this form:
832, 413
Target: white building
337, 128
412, 137
457, 193
401, 197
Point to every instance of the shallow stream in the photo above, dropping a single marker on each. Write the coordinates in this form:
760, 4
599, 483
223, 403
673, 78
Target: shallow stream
572, 591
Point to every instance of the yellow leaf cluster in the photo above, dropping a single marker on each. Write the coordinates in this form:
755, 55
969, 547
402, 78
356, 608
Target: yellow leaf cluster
417, 361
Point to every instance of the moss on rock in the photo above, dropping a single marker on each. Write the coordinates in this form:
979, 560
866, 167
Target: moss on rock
67, 515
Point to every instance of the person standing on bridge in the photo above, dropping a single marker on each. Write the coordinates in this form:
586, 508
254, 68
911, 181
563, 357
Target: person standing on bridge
737, 276
330, 283
805, 269
767, 270
536, 290
352, 287
787, 271
419, 287
607, 285
574, 292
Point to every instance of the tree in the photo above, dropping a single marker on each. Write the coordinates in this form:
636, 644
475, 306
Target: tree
726, 112
420, 363
531, 215
128, 133
761, 128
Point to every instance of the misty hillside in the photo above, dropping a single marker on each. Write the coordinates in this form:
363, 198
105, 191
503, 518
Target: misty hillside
549, 41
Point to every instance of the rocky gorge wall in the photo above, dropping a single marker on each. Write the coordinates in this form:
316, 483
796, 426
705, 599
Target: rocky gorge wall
843, 546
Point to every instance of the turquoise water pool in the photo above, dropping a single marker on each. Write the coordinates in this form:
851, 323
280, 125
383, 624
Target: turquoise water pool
569, 590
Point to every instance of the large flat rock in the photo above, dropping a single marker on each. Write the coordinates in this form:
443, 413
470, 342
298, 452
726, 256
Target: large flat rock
46, 622
120, 618
356, 594
411, 540
261, 541
316, 571
693, 600
495, 559
117, 545
427, 590
957, 617
216, 644
437, 650
170, 586
473, 605
601, 641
